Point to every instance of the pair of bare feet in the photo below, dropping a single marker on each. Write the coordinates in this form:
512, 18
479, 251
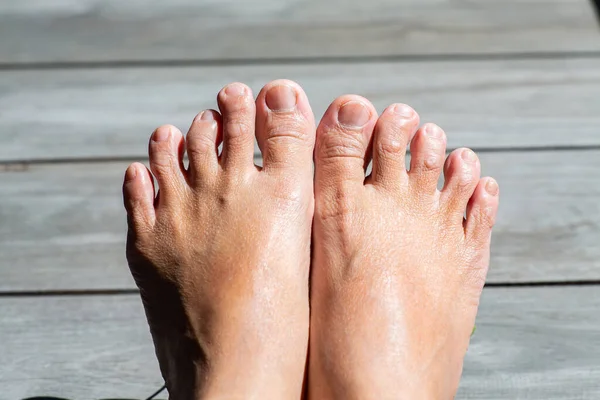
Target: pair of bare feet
223, 259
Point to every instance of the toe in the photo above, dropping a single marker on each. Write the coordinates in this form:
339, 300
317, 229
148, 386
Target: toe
343, 137
166, 159
202, 143
461, 174
285, 127
238, 109
481, 213
138, 197
393, 131
427, 151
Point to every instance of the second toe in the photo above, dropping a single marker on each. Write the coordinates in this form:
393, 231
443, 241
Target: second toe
395, 128
239, 111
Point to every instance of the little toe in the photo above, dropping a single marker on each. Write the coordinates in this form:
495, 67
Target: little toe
427, 151
481, 212
166, 159
138, 198
461, 175
239, 112
394, 130
285, 127
202, 143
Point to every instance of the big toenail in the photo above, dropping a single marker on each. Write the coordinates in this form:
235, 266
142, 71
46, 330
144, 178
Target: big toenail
235, 89
433, 131
353, 114
491, 187
281, 98
207, 116
403, 111
468, 155
161, 135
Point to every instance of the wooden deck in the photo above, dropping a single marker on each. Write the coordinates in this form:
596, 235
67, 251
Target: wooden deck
84, 82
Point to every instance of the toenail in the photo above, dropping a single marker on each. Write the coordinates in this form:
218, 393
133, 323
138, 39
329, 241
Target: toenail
353, 114
131, 173
468, 155
491, 187
207, 116
433, 131
281, 98
404, 111
235, 89
161, 135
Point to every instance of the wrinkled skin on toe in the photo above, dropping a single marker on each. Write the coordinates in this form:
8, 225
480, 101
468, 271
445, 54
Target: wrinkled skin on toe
397, 270
221, 255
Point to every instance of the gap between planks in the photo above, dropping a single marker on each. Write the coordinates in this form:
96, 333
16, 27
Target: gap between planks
324, 60
128, 292
23, 165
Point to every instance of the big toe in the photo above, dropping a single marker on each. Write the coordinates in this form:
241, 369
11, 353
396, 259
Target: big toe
238, 115
343, 139
285, 126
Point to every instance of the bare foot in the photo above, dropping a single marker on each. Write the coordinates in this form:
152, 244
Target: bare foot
397, 271
222, 254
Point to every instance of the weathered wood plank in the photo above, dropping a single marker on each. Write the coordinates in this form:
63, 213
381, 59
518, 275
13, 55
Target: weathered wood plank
63, 227
76, 348
101, 30
531, 343
488, 104
535, 343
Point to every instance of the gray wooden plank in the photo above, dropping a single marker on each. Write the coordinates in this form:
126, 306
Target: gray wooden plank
101, 30
535, 343
62, 226
531, 343
76, 348
487, 104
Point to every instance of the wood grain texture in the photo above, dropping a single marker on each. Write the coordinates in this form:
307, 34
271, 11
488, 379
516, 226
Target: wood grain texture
535, 343
78, 348
113, 30
63, 226
531, 343
487, 104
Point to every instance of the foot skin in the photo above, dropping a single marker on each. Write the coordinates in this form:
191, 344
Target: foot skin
397, 270
221, 255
